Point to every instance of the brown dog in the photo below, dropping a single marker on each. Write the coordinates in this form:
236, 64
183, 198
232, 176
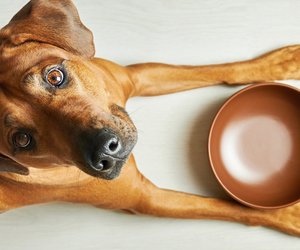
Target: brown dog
65, 135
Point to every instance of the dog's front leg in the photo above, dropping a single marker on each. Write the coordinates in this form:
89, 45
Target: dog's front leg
156, 79
167, 203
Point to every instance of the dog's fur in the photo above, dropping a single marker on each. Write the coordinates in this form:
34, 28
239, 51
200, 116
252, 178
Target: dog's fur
63, 120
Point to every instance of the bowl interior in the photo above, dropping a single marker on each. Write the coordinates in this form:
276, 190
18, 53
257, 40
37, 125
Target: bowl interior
254, 145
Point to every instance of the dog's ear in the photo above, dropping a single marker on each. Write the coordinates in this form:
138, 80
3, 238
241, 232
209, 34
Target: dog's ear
55, 22
8, 165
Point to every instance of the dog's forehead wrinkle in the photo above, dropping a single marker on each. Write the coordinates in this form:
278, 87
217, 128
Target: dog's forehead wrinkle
9, 120
20, 59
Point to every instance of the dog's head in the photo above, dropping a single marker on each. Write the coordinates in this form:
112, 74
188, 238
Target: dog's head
58, 107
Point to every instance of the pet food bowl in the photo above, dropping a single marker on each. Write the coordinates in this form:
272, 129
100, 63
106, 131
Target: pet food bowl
254, 146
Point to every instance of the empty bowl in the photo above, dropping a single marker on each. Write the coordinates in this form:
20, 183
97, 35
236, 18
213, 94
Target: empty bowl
254, 146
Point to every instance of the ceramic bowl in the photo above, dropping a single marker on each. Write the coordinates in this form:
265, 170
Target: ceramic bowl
254, 145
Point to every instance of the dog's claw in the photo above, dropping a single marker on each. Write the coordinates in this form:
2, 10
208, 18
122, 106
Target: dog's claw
287, 219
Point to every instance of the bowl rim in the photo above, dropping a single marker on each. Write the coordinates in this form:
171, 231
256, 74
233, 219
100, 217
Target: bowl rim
224, 105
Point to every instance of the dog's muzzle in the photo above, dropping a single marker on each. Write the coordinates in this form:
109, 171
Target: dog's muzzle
105, 152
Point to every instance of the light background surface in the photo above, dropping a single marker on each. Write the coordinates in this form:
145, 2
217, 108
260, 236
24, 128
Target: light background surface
173, 129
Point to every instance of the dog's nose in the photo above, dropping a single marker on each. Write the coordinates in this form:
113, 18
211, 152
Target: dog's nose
103, 151
107, 151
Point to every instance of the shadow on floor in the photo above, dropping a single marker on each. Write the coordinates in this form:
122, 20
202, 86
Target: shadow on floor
198, 152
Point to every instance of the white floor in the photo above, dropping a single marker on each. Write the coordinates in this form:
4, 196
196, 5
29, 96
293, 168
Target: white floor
172, 129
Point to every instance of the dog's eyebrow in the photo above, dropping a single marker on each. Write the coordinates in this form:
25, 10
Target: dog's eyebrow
10, 121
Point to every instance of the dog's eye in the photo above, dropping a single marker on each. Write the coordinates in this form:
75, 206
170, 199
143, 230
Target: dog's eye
55, 77
21, 139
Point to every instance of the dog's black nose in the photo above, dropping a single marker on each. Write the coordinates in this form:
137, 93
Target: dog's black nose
107, 150
103, 152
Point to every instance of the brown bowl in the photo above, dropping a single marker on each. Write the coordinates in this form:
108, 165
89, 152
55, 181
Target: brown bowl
254, 145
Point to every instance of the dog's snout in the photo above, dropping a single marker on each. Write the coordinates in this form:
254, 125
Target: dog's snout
104, 152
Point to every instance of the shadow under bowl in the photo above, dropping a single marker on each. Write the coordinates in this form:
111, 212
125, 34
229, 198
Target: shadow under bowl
254, 146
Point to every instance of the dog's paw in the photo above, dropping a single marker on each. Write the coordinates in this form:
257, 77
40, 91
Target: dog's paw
283, 63
287, 219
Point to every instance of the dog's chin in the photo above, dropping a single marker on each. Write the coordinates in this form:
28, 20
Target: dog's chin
109, 174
